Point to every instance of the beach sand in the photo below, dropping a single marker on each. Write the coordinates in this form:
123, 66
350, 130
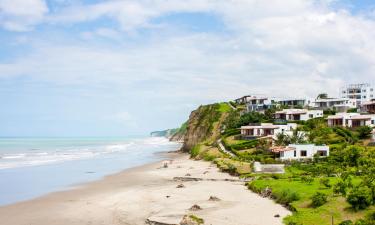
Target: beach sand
150, 193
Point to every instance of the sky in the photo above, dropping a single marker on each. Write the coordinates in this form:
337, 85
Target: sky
122, 67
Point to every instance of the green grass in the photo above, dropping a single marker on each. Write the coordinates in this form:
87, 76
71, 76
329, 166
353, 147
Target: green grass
304, 213
195, 150
197, 219
224, 107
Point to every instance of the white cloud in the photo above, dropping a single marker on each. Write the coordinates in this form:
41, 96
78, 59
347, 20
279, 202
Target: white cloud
276, 47
21, 15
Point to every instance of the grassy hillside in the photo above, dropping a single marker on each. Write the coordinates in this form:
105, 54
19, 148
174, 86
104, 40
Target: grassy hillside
339, 188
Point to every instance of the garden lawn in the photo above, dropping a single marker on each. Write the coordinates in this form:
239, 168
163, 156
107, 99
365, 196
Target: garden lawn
304, 213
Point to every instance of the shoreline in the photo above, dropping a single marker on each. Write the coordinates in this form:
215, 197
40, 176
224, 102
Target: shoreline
149, 192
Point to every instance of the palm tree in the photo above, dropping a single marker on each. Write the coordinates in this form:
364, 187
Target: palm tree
282, 139
297, 137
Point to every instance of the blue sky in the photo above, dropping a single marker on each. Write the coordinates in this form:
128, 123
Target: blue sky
120, 67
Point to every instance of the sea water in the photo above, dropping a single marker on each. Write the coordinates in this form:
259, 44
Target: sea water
31, 167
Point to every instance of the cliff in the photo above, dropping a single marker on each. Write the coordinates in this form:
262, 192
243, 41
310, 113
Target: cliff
164, 133
204, 125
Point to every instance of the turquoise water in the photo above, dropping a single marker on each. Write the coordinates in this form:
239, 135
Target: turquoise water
31, 167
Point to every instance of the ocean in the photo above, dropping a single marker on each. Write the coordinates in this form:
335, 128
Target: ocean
32, 167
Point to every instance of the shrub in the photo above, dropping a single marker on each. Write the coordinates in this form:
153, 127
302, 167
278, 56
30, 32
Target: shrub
287, 196
197, 219
340, 188
360, 197
364, 132
346, 222
307, 179
318, 199
232, 170
370, 219
195, 151
325, 182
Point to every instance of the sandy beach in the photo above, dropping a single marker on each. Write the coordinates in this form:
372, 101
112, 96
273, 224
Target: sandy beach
150, 194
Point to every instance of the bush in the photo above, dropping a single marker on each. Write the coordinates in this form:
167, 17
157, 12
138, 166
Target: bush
346, 222
197, 219
195, 151
244, 145
318, 199
364, 132
287, 196
360, 197
307, 179
340, 188
325, 182
370, 219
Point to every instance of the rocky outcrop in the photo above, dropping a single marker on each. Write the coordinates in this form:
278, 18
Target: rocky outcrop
178, 137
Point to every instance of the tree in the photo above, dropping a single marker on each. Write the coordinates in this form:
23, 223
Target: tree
325, 182
364, 132
282, 139
352, 155
297, 137
322, 96
340, 188
318, 199
360, 197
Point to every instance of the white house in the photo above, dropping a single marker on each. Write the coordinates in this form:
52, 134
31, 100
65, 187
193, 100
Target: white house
359, 92
351, 120
294, 102
338, 104
258, 104
298, 114
252, 99
300, 151
266, 129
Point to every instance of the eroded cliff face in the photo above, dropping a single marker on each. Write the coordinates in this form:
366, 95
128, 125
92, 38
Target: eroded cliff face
178, 137
203, 126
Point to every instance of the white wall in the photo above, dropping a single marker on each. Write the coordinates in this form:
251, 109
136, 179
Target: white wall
311, 114
309, 148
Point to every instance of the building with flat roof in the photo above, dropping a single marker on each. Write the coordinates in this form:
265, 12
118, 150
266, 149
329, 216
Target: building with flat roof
337, 104
368, 107
359, 92
351, 120
294, 102
254, 131
298, 114
300, 151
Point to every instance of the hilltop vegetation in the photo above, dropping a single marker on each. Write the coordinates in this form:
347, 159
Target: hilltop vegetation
340, 187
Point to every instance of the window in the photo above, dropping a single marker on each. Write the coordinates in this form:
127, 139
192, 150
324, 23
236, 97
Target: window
303, 153
372, 89
344, 92
373, 122
363, 96
295, 153
322, 153
281, 154
311, 116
